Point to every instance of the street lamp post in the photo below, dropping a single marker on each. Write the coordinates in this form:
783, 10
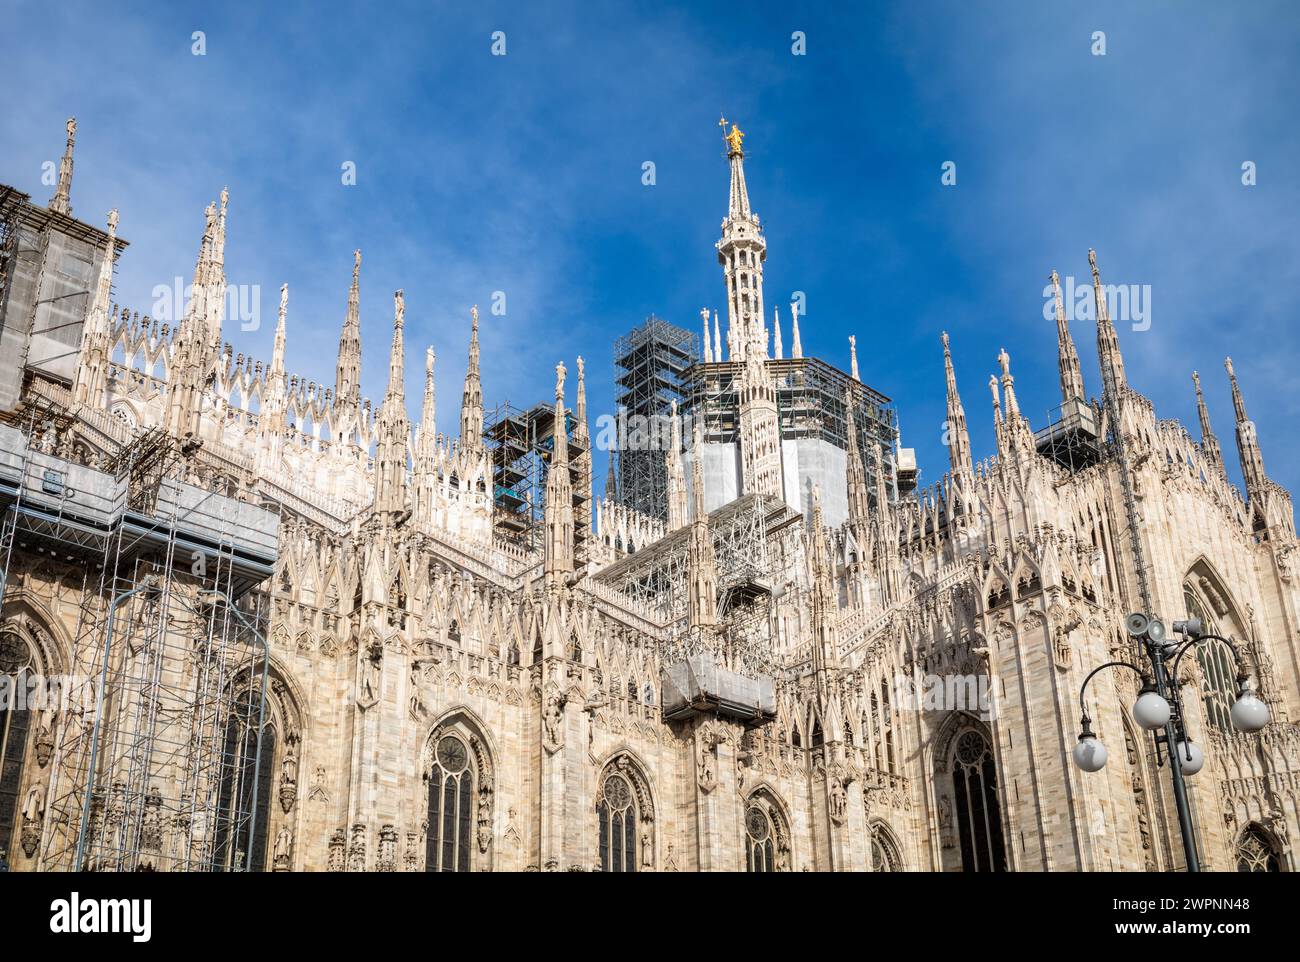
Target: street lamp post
1159, 708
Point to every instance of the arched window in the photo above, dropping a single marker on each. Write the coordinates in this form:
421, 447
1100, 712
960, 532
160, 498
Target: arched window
245, 785
884, 853
1256, 851
767, 842
15, 658
617, 819
449, 839
975, 791
1217, 667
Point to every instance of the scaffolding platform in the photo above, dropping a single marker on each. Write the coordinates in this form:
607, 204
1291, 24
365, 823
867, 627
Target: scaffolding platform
1073, 439
698, 685
71, 510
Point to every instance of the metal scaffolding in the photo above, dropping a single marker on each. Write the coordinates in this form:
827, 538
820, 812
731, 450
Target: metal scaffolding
810, 400
159, 762
1072, 438
650, 362
520, 444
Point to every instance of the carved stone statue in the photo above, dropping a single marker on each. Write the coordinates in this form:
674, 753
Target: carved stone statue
283, 850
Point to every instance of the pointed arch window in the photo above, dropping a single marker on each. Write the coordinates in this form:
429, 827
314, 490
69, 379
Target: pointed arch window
767, 842
15, 661
1256, 852
1217, 667
617, 819
449, 839
884, 853
975, 790
244, 790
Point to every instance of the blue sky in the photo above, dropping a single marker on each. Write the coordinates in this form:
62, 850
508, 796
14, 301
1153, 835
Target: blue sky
522, 174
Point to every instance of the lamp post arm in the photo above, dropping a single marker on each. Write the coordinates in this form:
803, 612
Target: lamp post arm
1242, 673
1110, 664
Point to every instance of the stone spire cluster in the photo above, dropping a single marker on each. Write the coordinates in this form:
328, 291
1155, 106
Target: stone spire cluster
91, 377
471, 407
196, 343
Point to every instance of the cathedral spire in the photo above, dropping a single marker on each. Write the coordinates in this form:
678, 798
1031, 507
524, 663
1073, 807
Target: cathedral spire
717, 339
1108, 352
778, 350
859, 499
611, 480
393, 429
61, 202
559, 496
471, 405
708, 342
429, 412
1067, 355
1209, 443
192, 361
277, 351
1252, 459
347, 384
97, 330
217, 279
853, 357
702, 592
676, 475
958, 436
796, 345
825, 597
271, 423
741, 252
582, 462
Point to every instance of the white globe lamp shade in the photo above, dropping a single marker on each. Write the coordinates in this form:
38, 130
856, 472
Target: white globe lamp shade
1193, 764
1090, 754
1151, 711
1249, 713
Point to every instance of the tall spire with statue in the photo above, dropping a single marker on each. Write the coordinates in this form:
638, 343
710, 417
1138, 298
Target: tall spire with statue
741, 252
61, 202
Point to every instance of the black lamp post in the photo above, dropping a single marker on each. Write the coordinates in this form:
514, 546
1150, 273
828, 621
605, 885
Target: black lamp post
1159, 707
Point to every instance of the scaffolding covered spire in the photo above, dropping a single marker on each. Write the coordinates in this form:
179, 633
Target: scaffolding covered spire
1067, 354
957, 433
61, 202
1209, 443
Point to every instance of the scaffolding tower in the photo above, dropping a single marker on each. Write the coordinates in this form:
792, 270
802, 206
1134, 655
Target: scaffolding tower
159, 762
810, 400
520, 445
650, 363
